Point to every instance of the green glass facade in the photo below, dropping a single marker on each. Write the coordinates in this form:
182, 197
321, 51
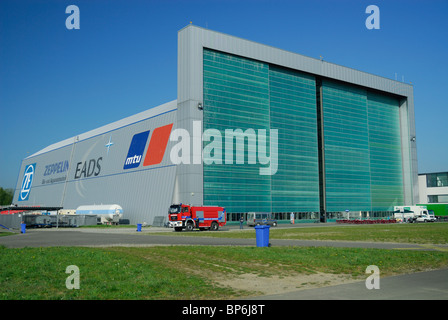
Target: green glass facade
236, 96
347, 174
363, 166
240, 93
386, 173
295, 186
361, 140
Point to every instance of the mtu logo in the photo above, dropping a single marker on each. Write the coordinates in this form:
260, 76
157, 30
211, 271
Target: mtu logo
156, 148
26, 182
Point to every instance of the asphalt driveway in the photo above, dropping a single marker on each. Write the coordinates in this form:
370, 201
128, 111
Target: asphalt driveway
95, 237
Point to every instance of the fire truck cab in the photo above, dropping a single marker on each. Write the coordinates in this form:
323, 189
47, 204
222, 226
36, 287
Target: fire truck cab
188, 217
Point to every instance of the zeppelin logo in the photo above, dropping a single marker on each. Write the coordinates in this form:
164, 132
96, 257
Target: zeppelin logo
156, 148
26, 182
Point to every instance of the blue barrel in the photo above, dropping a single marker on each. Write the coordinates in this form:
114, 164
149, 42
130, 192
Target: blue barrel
139, 227
23, 227
262, 235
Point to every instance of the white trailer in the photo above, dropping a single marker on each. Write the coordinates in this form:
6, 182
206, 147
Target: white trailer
411, 213
107, 213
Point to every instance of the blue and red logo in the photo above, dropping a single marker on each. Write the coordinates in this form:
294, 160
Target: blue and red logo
155, 151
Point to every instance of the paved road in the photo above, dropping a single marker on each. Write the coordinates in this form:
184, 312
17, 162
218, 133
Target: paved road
430, 285
150, 237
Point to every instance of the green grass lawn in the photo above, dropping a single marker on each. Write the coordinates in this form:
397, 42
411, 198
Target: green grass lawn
4, 233
39, 273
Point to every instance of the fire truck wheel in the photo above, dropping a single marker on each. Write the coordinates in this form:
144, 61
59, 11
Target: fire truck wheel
214, 226
189, 226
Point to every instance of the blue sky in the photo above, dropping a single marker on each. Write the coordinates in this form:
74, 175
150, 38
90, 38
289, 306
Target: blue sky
56, 83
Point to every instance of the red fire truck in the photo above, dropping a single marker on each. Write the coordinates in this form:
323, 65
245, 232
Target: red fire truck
188, 217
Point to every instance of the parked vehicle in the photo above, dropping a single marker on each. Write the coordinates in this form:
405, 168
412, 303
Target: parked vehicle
411, 213
425, 218
260, 218
432, 217
107, 214
439, 209
188, 217
422, 218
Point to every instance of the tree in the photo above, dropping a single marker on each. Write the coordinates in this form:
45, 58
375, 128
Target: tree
6, 196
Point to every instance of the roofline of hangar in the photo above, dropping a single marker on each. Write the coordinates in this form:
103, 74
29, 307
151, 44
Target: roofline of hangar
144, 115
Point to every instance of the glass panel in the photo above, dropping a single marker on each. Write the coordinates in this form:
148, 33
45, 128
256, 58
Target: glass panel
346, 140
295, 186
386, 176
240, 93
363, 164
236, 96
437, 179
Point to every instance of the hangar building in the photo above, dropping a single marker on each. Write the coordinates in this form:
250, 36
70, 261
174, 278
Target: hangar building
254, 129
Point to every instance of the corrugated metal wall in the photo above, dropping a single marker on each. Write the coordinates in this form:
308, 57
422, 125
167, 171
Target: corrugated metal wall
96, 173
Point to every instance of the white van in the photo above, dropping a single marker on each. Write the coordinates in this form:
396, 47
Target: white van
260, 218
